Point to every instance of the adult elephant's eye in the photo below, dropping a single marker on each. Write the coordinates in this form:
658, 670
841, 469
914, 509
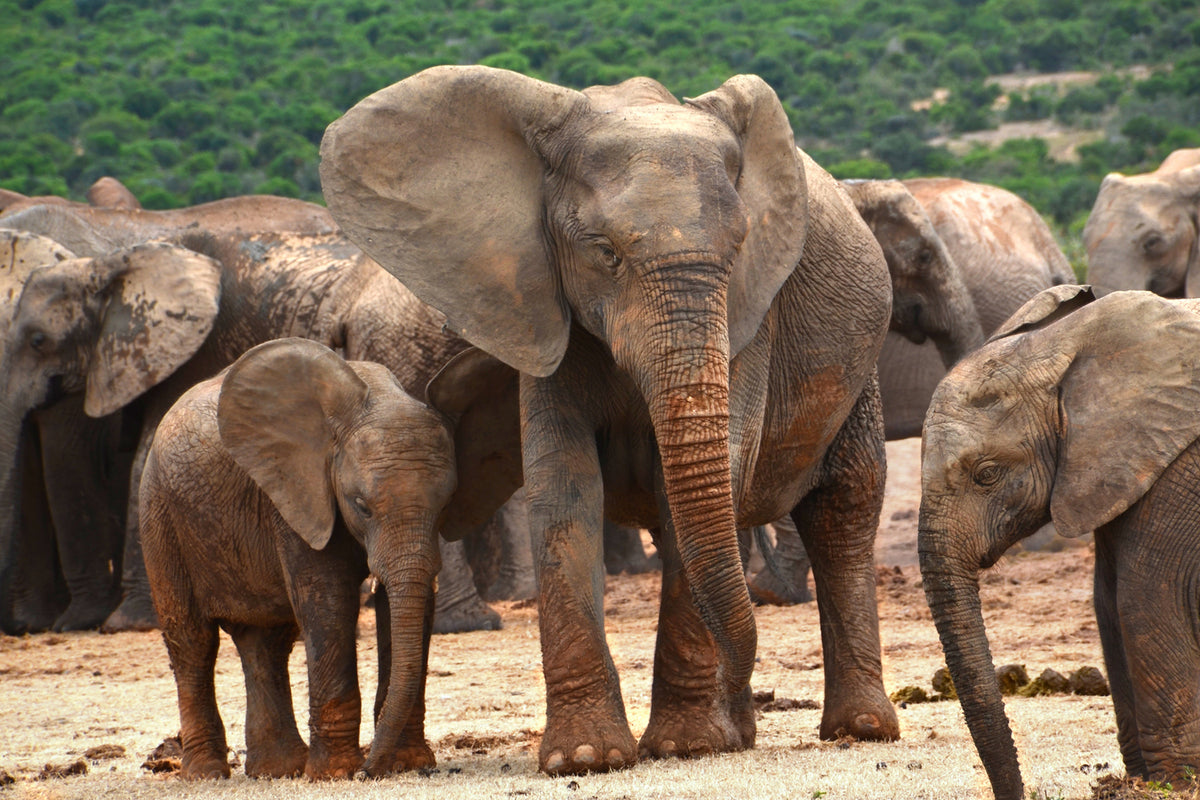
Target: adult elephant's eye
37, 341
609, 257
1152, 243
362, 506
987, 473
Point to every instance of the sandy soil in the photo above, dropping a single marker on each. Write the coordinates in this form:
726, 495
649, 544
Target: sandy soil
62, 695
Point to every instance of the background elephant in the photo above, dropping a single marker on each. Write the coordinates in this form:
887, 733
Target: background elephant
69, 484
1142, 231
266, 285
682, 367
1005, 253
1085, 413
269, 493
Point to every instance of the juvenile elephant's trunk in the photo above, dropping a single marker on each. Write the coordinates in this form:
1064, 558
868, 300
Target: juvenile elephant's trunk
407, 577
952, 589
963, 333
686, 385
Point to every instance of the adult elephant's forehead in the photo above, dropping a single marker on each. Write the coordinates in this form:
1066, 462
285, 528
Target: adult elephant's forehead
669, 137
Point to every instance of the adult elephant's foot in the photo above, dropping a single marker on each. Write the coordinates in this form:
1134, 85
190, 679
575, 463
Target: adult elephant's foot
136, 613
471, 614
30, 620
205, 765
687, 727
867, 715
84, 615
326, 764
416, 755
578, 741
282, 758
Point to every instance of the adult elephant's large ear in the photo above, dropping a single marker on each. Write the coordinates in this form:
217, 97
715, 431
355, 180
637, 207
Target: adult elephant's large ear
480, 396
1187, 183
1127, 403
435, 178
161, 304
279, 407
772, 185
20, 254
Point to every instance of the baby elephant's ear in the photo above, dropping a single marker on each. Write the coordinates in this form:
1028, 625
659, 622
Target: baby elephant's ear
1128, 404
480, 395
281, 407
1045, 307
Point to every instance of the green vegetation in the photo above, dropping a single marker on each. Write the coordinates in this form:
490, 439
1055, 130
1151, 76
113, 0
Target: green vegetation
190, 101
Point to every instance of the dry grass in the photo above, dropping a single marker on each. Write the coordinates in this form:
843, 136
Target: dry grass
61, 695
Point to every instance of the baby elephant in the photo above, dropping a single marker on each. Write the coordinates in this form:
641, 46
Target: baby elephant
269, 493
1085, 412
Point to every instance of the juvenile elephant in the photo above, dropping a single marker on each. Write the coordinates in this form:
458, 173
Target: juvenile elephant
269, 492
1083, 413
1142, 230
695, 309
1005, 254
124, 333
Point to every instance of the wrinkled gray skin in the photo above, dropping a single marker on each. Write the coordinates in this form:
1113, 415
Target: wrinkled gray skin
1142, 231
683, 367
204, 296
69, 486
1082, 412
269, 493
1005, 254
68, 534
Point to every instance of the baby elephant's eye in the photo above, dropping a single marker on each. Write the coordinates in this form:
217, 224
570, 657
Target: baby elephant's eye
37, 341
362, 506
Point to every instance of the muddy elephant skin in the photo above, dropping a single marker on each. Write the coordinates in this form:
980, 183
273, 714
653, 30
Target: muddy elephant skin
1081, 412
695, 309
269, 493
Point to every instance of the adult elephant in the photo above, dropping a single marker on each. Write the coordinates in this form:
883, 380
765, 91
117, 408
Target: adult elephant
695, 309
113, 328
1142, 231
1004, 252
70, 527
1084, 413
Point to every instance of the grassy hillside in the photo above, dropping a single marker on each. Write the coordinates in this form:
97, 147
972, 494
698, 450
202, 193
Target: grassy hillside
191, 101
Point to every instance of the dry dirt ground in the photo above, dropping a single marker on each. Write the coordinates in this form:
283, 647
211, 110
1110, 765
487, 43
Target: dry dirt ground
62, 695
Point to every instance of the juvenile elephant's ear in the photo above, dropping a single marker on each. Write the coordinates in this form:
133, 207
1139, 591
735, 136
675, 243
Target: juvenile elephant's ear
1128, 404
772, 185
434, 177
66, 226
1044, 308
480, 395
279, 407
161, 304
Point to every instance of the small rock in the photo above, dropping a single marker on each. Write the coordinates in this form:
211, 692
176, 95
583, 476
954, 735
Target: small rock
1088, 681
943, 684
5, 778
1048, 683
573, 785
103, 752
909, 694
50, 771
1011, 677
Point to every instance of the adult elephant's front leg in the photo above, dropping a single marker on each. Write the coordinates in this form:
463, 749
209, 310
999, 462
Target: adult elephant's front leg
586, 727
837, 521
691, 714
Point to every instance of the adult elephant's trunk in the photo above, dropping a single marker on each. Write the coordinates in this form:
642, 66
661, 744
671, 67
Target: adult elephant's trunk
963, 332
685, 381
407, 575
952, 589
10, 513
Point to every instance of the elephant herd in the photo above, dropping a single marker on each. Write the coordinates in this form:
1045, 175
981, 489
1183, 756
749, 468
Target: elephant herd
646, 313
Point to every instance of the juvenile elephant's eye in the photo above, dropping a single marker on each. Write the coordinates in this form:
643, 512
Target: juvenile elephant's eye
1152, 243
362, 506
987, 473
925, 256
37, 340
